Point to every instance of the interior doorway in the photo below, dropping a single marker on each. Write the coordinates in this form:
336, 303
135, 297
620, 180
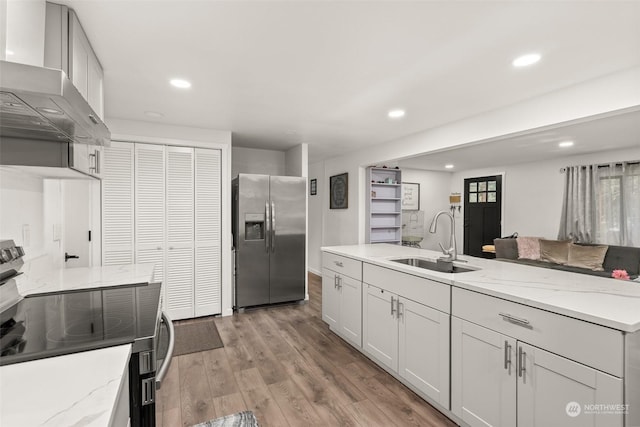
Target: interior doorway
482, 213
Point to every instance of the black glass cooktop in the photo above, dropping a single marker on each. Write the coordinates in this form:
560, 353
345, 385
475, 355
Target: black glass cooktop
42, 326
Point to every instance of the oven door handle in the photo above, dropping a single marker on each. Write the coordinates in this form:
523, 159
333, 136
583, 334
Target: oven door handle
167, 360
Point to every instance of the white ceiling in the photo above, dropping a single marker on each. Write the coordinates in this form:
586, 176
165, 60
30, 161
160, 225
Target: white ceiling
326, 72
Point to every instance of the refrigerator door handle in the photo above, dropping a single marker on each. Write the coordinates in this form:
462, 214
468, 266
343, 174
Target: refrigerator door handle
273, 227
267, 221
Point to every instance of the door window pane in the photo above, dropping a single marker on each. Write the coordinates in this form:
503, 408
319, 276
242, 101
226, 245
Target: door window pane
473, 186
491, 186
473, 197
491, 198
482, 197
482, 186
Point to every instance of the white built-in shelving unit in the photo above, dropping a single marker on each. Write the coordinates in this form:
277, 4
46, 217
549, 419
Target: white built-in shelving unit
384, 205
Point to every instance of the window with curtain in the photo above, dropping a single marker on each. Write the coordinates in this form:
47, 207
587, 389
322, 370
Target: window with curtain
602, 204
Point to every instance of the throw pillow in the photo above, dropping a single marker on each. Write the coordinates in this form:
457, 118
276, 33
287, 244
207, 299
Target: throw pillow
555, 251
528, 247
590, 257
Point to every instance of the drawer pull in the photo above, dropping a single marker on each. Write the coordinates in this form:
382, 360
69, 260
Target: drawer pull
338, 263
516, 320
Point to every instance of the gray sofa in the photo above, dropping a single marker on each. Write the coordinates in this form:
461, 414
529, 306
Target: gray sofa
617, 258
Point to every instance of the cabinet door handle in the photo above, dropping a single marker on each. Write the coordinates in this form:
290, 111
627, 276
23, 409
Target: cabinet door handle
507, 356
516, 320
392, 309
400, 308
338, 263
335, 280
522, 359
93, 119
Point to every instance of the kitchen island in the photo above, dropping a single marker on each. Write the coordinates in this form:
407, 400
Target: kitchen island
502, 344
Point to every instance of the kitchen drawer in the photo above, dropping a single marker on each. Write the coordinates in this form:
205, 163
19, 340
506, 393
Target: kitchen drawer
593, 345
343, 265
424, 291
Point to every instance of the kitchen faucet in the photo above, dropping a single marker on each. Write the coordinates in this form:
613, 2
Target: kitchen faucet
452, 252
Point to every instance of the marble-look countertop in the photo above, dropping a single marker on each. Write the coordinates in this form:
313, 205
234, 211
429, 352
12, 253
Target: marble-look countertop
604, 301
78, 389
74, 279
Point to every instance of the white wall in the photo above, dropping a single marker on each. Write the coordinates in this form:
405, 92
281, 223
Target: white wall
533, 192
434, 197
30, 206
252, 160
316, 217
297, 160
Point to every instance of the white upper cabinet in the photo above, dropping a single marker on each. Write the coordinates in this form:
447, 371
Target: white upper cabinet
85, 70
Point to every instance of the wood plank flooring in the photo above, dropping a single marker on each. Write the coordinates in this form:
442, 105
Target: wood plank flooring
285, 365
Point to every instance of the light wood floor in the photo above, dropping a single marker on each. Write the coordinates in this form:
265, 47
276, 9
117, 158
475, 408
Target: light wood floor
285, 365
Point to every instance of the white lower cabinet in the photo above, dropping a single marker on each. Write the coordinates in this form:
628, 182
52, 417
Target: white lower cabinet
497, 380
342, 305
408, 338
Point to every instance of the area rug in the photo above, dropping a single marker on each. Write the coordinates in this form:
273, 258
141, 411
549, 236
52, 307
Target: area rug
196, 335
241, 419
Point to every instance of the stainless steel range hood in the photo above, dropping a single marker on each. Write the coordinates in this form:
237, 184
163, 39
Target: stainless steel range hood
38, 103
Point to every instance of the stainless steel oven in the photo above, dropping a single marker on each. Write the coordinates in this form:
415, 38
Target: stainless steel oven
55, 324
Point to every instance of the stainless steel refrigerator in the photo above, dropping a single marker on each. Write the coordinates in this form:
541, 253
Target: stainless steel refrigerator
269, 234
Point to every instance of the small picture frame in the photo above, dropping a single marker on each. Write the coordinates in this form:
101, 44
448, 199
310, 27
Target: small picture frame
410, 196
313, 187
339, 191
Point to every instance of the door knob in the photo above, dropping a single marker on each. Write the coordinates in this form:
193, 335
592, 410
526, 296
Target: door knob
67, 257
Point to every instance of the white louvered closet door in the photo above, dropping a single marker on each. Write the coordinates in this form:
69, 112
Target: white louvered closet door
179, 289
150, 206
117, 204
208, 283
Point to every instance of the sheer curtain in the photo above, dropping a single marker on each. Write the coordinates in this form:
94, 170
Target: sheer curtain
618, 205
579, 207
602, 204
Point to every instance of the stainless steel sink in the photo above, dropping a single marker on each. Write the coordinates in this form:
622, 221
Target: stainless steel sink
441, 266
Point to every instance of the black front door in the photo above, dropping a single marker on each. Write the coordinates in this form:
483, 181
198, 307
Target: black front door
482, 213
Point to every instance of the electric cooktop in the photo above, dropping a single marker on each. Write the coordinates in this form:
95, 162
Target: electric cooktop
42, 326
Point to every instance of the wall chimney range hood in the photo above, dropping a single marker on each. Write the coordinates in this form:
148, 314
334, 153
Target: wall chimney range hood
38, 103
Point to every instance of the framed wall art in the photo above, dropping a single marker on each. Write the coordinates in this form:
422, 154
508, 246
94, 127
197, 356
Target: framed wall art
313, 187
339, 191
410, 196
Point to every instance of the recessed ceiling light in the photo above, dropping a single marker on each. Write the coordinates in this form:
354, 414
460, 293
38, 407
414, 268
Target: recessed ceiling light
526, 60
180, 83
396, 114
565, 144
449, 166
153, 114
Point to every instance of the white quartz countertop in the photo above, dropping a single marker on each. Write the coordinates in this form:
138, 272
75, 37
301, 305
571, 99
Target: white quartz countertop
604, 301
74, 279
78, 389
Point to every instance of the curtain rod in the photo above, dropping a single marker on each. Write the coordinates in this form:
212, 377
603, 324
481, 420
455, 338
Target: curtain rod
603, 165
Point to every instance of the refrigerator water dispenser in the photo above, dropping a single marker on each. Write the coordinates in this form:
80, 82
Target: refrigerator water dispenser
254, 227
